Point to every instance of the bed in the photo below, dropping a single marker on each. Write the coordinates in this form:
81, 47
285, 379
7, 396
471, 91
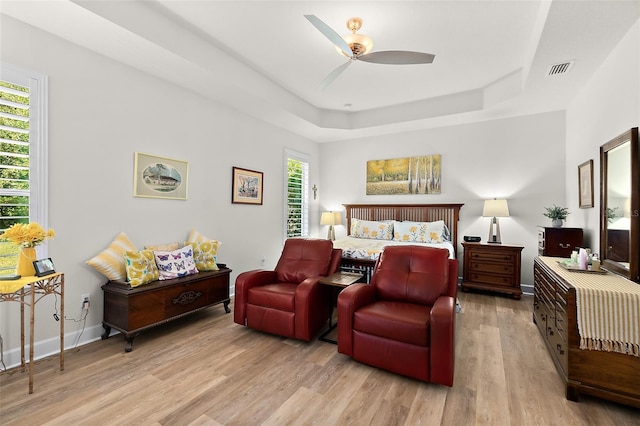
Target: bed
360, 254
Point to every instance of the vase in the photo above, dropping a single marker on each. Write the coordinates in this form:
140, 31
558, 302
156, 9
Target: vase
26, 256
556, 223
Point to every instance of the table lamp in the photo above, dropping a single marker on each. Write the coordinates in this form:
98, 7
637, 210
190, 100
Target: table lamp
495, 209
331, 219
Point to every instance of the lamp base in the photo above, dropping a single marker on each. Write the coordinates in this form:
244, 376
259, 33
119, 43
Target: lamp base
331, 235
494, 232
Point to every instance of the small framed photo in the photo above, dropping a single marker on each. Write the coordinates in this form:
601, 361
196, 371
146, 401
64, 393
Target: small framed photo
44, 267
246, 187
159, 177
585, 184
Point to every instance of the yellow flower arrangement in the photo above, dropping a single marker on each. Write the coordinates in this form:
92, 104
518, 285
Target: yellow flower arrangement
27, 235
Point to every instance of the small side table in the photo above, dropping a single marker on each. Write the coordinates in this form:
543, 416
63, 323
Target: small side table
36, 288
339, 280
492, 267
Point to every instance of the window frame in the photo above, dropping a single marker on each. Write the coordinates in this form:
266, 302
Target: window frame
38, 85
304, 158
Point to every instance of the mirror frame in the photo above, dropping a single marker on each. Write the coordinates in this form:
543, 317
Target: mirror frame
632, 273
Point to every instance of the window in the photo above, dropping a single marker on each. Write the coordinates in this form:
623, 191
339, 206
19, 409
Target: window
297, 188
23, 170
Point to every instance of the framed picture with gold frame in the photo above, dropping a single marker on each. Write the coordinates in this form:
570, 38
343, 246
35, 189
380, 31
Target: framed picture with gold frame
585, 185
160, 177
247, 186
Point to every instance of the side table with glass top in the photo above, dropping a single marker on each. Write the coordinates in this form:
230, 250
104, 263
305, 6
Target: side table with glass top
34, 288
339, 281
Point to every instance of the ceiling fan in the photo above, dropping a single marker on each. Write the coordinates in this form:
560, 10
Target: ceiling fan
356, 47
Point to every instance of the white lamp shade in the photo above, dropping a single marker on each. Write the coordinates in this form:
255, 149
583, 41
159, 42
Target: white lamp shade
331, 218
495, 208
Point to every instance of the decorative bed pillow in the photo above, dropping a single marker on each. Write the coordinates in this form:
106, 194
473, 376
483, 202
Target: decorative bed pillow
141, 267
196, 237
110, 262
175, 264
371, 229
419, 232
204, 254
164, 247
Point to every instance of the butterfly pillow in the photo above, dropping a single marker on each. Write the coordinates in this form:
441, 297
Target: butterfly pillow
175, 264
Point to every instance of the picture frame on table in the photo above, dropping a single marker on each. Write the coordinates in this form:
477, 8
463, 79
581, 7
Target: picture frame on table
585, 185
247, 186
44, 267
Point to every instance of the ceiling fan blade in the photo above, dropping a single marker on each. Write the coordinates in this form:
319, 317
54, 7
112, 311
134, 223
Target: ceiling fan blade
333, 75
329, 33
397, 57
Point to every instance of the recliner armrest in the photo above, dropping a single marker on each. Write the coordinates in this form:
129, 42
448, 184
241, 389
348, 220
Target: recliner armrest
350, 300
244, 282
443, 324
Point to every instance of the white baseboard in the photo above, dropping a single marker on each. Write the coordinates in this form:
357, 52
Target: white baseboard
48, 347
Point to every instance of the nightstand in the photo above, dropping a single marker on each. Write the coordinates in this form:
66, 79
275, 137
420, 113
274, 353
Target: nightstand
493, 267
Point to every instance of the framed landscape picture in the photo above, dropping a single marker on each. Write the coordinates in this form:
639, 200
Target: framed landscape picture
246, 186
159, 177
411, 175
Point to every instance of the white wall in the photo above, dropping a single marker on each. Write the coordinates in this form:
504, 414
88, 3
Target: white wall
100, 113
521, 159
606, 107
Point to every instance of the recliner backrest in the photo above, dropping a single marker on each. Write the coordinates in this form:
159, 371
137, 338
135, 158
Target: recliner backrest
303, 258
411, 274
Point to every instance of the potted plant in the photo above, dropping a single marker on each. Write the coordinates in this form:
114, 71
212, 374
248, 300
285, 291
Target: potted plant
556, 214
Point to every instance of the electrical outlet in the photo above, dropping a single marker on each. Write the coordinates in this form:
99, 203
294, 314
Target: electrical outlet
85, 301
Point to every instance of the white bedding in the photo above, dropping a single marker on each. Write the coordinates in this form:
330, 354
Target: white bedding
370, 249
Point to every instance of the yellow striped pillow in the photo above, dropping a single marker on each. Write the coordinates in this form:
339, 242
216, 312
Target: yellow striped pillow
196, 237
110, 262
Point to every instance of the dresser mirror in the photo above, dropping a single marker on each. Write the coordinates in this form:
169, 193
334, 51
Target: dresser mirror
620, 205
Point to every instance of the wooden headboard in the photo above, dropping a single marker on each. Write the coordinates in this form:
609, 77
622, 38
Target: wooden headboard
449, 213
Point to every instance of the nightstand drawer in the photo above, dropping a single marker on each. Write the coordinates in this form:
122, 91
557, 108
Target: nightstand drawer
503, 280
498, 268
492, 256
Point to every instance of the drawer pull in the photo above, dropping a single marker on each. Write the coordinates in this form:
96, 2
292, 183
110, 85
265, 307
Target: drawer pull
186, 297
564, 246
559, 349
550, 331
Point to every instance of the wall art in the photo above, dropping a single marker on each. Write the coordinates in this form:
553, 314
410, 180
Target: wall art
410, 175
160, 177
247, 186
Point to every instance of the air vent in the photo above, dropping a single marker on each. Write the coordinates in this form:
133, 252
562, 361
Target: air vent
561, 68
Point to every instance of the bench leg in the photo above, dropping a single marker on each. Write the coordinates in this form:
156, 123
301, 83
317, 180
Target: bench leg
105, 334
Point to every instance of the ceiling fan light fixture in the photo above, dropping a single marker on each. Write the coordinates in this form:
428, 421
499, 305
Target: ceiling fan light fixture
360, 44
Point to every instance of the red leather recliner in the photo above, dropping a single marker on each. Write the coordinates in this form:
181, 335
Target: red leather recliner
289, 301
404, 320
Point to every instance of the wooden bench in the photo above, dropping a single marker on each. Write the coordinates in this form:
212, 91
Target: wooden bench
134, 309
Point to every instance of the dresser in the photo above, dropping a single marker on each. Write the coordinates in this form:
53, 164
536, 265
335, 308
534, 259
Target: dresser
493, 267
558, 242
596, 369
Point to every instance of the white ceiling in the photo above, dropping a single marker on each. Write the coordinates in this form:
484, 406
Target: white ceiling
264, 58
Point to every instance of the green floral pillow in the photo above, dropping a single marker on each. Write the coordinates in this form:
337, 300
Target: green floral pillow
141, 267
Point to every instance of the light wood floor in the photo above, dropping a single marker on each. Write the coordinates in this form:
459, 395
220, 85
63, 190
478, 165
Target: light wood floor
207, 370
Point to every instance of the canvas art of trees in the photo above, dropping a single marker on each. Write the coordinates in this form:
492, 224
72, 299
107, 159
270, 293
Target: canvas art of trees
410, 175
